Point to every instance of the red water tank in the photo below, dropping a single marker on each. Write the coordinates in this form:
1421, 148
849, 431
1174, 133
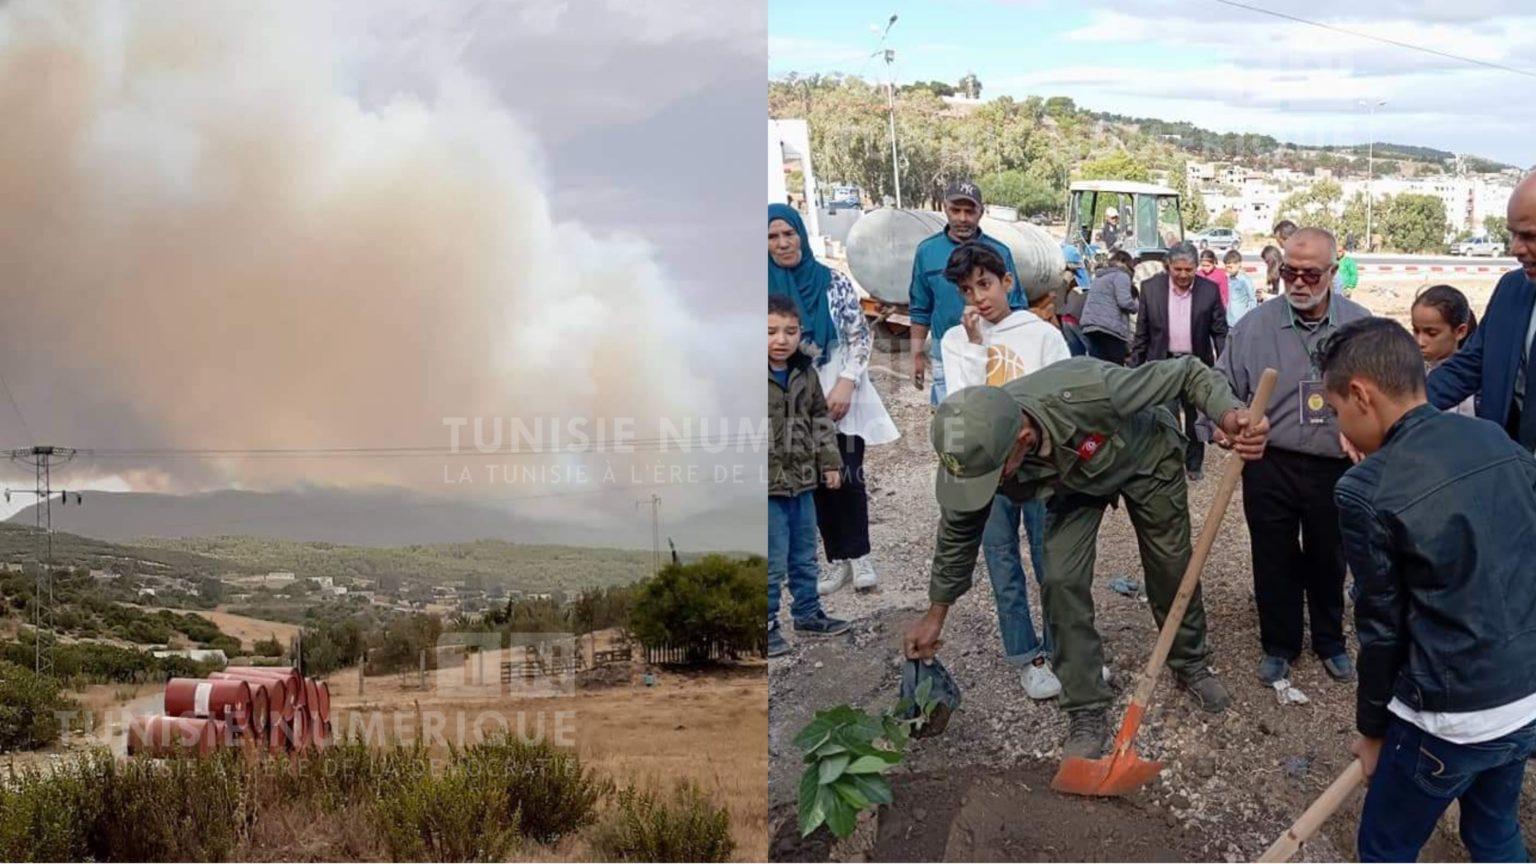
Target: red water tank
323, 691
276, 693
289, 679
225, 700
311, 697
159, 735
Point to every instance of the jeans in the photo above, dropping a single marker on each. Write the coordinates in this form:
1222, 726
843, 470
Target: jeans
936, 393
792, 555
1419, 775
1000, 546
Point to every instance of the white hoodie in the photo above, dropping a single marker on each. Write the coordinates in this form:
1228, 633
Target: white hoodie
1012, 348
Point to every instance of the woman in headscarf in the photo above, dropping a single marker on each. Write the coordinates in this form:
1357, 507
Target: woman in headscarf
835, 333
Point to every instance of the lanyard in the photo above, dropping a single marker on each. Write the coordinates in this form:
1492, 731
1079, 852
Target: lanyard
1301, 337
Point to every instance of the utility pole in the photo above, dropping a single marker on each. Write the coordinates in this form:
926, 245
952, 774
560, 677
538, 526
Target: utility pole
889, 55
1370, 168
42, 459
655, 532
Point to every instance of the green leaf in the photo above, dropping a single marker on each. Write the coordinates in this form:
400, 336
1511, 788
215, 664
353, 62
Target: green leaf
840, 817
813, 734
811, 813
867, 765
850, 793
924, 688
831, 748
832, 768
875, 788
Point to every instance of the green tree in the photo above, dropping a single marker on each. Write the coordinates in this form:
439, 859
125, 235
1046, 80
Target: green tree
1415, 223
1352, 223
1497, 229
1119, 165
1227, 219
1021, 190
1060, 107
30, 708
1313, 207
693, 606
970, 85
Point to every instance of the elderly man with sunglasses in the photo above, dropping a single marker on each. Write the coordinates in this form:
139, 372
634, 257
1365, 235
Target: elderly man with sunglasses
1298, 555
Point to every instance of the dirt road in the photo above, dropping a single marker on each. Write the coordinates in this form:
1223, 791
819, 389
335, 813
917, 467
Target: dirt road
980, 792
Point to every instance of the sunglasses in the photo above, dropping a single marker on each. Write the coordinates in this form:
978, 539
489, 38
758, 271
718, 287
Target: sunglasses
1306, 277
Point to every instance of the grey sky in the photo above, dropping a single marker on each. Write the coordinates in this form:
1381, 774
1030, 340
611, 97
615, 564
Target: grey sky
281, 224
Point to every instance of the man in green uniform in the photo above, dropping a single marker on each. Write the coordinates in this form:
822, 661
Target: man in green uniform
1085, 432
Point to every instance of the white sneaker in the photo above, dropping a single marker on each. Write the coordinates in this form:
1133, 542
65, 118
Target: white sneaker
1039, 681
1106, 674
864, 578
835, 578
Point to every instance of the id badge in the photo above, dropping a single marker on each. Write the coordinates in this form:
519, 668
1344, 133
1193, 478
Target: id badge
1314, 408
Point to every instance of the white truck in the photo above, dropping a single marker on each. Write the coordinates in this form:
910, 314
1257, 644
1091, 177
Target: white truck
1478, 247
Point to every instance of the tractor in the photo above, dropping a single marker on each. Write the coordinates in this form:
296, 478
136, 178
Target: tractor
1149, 223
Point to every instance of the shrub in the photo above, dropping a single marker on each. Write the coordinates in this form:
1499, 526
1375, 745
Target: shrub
694, 606
39, 817
546, 787
643, 827
268, 647
457, 815
29, 708
180, 809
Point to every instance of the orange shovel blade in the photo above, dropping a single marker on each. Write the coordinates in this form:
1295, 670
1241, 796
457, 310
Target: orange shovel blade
1118, 774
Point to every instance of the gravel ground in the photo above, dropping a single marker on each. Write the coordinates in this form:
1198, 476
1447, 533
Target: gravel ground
1231, 783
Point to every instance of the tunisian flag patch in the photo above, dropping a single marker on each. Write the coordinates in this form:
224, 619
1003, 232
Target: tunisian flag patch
1089, 446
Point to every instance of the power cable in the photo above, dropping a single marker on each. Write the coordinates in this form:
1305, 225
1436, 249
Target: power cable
1382, 39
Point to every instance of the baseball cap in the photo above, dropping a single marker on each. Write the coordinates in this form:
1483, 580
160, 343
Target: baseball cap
1112, 213
973, 432
964, 190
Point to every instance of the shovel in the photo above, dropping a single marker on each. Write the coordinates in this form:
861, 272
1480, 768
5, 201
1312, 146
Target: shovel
1123, 771
1315, 814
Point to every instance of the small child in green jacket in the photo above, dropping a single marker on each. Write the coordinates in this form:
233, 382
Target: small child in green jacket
802, 453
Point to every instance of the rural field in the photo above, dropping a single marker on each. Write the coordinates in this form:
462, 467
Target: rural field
584, 749
1232, 783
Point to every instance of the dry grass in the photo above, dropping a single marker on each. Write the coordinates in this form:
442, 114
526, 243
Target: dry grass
711, 728
247, 630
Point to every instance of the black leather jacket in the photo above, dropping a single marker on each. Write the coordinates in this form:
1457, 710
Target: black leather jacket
1439, 528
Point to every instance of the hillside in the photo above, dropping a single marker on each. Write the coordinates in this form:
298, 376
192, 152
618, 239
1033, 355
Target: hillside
388, 517
517, 567
21, 543
1025, 152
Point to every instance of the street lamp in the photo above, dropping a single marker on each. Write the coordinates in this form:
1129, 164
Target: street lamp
890, 95
1370, 165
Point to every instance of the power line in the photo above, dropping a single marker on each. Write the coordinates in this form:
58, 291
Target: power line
1382, 39
637, 445
14, 407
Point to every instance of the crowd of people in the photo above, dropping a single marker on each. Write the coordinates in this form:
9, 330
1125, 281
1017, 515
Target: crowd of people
1401, 457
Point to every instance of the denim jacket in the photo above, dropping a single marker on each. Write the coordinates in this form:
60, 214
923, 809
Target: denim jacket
1439, 528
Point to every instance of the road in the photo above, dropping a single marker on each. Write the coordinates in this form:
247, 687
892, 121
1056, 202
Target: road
1410, 263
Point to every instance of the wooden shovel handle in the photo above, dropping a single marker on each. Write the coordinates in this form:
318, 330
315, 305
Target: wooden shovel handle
1315, 815
1230, 472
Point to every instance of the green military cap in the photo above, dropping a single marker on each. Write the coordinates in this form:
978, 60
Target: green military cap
973, 432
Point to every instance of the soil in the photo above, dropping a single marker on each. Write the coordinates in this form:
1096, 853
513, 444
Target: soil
1232, 782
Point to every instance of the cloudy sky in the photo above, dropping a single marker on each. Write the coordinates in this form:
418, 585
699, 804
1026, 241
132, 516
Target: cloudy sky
240, 225
1226, 68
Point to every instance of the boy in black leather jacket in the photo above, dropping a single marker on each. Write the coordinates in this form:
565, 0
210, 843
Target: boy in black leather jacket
1439, 527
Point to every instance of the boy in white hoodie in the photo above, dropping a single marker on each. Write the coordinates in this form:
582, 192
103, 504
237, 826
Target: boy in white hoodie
994, 345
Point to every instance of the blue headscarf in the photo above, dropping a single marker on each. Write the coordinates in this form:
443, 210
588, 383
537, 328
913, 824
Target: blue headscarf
806, 282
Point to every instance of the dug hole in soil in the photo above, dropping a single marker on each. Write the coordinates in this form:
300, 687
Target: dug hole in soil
1230, 785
